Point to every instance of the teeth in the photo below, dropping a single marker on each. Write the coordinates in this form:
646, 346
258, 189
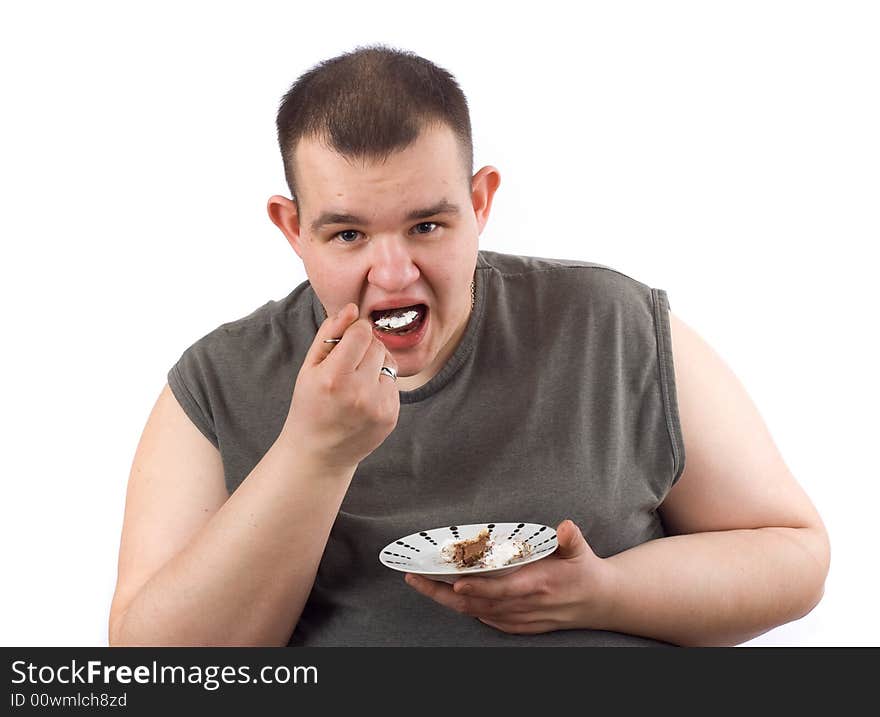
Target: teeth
394, 322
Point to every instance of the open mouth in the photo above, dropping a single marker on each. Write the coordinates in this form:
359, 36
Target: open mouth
401, 320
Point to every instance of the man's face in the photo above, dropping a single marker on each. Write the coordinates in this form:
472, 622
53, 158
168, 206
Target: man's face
407, 251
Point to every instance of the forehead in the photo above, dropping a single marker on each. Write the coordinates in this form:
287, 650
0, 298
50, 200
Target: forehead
429, 169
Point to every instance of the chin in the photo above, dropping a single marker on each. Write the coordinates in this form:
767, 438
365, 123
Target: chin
405, 370
408, 367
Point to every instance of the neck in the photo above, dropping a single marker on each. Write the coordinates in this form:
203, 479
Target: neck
411, 383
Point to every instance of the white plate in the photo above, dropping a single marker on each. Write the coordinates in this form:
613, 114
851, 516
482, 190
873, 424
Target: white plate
419, 553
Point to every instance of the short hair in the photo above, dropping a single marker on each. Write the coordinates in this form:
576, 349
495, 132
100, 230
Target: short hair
369, 103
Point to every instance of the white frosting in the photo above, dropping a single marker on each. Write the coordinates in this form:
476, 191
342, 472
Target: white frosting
496, 555
446, 549
397, 321
503, 553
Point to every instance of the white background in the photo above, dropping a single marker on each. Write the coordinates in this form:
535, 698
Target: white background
725, 152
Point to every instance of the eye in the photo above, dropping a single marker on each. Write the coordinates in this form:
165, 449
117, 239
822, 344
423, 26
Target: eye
426, 224
350, 236
342, 236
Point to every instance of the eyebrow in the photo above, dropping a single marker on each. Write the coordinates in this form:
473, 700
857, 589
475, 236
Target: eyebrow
327, 218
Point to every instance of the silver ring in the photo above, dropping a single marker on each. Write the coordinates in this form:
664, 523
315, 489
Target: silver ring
388, 371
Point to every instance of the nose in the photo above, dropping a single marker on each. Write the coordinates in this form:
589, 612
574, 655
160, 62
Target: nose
391, 267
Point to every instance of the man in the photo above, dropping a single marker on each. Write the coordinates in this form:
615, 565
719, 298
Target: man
414, 382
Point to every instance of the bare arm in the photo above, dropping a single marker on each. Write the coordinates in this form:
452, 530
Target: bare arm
198, 567
237, 581
747, 550
716, 588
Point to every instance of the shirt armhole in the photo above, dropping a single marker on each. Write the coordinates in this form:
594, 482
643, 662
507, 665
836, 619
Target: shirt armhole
667, 381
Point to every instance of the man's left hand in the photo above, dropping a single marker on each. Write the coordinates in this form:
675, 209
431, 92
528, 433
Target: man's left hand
565, 591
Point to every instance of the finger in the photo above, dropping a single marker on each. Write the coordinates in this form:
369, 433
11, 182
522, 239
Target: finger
571, 540
376, 357
443, 594
389, 361
431, 588
349, 352
373, 359
439, 592
522, 583
332, 328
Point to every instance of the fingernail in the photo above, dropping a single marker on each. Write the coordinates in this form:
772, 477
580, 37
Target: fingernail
465, 589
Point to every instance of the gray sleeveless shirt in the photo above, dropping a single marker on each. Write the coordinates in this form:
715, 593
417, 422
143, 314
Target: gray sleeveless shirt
559, 402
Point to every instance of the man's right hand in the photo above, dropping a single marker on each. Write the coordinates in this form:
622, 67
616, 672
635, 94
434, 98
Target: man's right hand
187, 542
342, 407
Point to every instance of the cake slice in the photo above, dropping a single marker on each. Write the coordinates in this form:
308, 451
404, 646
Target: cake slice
482, 551
466, 553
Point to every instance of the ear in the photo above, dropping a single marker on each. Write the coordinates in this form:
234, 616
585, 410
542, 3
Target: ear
483, 186
284, 214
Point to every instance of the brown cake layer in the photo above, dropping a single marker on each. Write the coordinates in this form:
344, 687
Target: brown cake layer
467, 552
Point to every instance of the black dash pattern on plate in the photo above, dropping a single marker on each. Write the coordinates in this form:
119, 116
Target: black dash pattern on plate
537, 532
551, 539
410, 547
427, 537
518, 528
396, 555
